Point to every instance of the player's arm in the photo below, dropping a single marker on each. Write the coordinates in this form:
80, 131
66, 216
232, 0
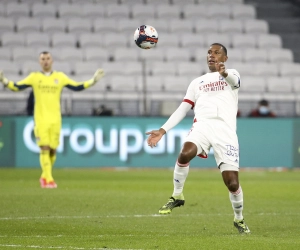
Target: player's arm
77, 86
20, 85
187, 104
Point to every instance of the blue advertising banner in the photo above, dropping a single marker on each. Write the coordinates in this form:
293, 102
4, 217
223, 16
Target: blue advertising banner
116, 142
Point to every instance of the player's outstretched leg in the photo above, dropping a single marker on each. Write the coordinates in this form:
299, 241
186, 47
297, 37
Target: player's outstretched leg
174, 201
241, 226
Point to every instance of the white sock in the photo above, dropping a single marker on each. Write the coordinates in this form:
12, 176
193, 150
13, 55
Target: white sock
180, 173
236, 199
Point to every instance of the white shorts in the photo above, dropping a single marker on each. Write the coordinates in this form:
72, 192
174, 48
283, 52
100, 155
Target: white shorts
218, 135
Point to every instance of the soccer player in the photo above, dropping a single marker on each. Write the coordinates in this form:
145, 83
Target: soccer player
214, 98
47, 86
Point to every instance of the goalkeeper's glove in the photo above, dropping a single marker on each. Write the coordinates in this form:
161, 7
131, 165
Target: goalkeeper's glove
98, 75
3, 79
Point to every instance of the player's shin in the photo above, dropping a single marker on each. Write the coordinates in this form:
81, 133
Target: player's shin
180, 174
52, 159
236, 199
46, 165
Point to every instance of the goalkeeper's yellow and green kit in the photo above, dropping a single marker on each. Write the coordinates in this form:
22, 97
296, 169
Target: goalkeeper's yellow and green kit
47, 93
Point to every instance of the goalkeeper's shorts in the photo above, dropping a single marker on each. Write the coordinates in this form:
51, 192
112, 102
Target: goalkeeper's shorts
47, 135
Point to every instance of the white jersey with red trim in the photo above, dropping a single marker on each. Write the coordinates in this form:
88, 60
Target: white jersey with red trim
213, 96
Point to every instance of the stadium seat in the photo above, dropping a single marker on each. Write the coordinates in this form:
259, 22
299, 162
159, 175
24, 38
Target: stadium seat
184, 3
142, 11
267, 41
256, 27
63, 67
41, 10
92, 11
279, 84
243, 12
91, 54
82, 2
26, 24
106, 2
218, 11
190, 69
63, 40
166, 40
132, 2
88, 40
155, 55
181, 26
154, 84
128, 26
253, 84
7, 24
78, 25
280, 55
117, 11
235, 55
125, 54
204, 26
243, 41
244, 69
71, 54
21, 54
222, 38
173, 54
296, 84
194, 11
5, 54
231, 26
113, 68
37, 39
9, 39
105, 25
176, 83
9, 67
162, 24
265, 69
252, 55
30, 66
157, 2
162, 68
114, 41
133, 68
201, 54
191, 41
86, 68
53, 25
166, 12
289, 69
17, 10
66, 11
123, 83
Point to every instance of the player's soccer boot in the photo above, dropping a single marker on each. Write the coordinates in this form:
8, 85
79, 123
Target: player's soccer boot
51, 184
43, 183
241, 226
173, 202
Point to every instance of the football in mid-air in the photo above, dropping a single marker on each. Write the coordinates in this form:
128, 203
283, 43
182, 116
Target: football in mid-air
146, 37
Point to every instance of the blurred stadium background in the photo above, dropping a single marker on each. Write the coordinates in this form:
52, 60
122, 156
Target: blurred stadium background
262, 38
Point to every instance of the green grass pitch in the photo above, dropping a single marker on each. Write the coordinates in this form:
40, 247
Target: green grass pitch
107, 209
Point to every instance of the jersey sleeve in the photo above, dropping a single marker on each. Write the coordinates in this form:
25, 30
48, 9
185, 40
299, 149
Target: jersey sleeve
76, 86
190, 94
233, 78
23, 84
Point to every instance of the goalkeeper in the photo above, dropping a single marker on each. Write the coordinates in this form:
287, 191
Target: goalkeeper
47, 86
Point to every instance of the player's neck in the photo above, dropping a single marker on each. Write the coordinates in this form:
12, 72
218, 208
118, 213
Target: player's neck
47, 72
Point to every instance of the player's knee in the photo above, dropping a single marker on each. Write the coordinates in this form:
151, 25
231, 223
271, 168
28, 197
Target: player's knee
45, 148
185, 157
232, 185
52, 151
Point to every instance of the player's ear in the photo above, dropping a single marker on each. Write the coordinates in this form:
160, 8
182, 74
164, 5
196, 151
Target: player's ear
225, 58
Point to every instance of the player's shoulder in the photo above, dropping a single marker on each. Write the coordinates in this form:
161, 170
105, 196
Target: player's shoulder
234, 71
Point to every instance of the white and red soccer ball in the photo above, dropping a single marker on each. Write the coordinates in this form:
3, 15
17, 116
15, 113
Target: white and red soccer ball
146, 37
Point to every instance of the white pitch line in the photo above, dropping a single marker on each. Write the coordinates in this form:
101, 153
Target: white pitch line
64, 247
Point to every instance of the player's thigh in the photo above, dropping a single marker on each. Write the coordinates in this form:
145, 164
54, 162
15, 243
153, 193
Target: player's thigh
226, 150
55, 135
198, 137
42, 135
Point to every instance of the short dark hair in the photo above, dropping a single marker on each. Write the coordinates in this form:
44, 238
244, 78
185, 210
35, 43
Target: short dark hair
264, 102
44, 52
224, 48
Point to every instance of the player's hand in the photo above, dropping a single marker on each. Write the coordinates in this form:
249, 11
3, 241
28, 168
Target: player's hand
3, 79
220, 66
98, 75
155, 136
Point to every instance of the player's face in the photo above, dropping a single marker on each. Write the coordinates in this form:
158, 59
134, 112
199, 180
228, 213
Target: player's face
215, 54
46, 62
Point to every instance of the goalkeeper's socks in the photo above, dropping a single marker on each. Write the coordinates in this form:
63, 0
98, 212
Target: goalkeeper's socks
52, 159
46, 165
